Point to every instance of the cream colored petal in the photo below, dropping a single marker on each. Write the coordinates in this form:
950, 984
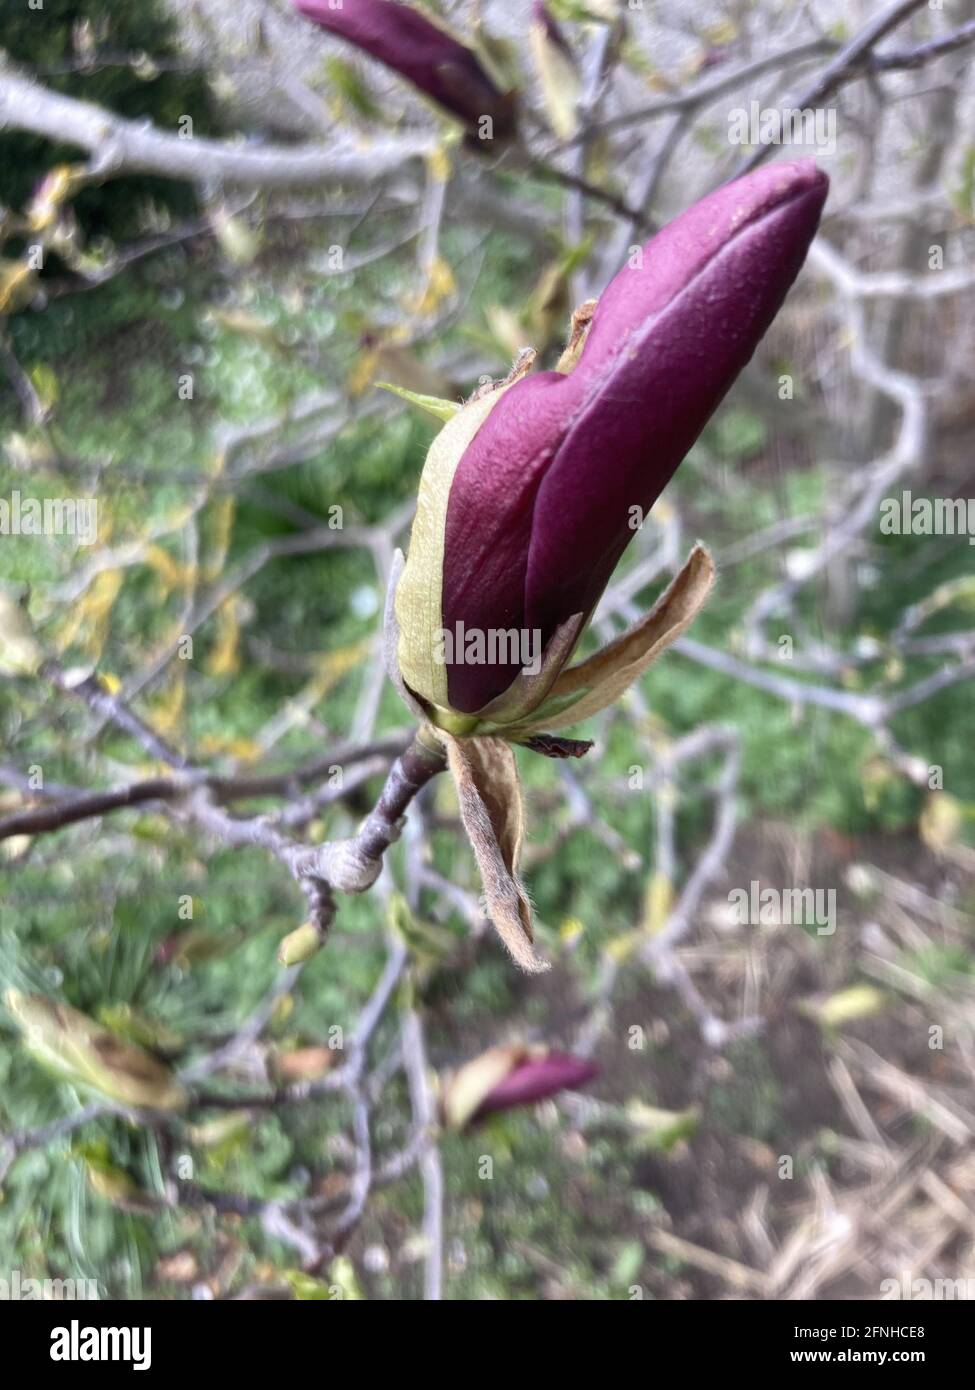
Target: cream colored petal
19, 653
527, 691
391, 639
472, 1083
558, 80
419, 593
609, 672
84, 1052
491, 807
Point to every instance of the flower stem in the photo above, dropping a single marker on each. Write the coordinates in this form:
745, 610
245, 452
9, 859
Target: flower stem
352, 866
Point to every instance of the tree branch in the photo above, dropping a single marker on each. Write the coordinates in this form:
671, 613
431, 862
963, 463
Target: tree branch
119, 146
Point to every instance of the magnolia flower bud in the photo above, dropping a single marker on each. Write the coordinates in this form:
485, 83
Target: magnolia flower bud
79, 1050
533, 489
425, 53
300, 945
508, 1076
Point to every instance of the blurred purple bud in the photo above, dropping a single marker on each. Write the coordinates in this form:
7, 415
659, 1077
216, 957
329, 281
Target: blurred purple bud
440, 66
534, 1079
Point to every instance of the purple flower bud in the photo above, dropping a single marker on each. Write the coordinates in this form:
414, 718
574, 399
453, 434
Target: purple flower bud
445, 70
541, 504
536, 1078
507, 1075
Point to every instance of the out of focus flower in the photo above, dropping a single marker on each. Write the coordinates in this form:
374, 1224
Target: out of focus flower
557, 71
508, 1076
302, 1063
426, 54
79, 1050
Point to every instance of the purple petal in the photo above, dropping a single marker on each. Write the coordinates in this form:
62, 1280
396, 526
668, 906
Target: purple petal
540, 506
402, 38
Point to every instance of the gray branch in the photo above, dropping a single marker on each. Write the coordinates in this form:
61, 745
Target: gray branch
119, 146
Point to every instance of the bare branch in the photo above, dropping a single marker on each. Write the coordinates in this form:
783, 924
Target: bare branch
119, 146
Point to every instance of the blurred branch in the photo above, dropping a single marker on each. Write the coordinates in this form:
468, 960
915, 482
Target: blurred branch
119, 146
924, 52
851, 62
350, 866
706, 92
895, 282
101, 701
13, 1145
54, 816
75, 806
